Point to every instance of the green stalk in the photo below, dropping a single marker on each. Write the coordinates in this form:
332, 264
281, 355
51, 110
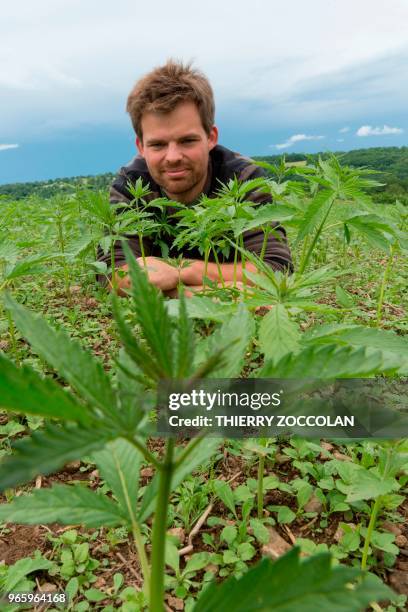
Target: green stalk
261, 466
159, 531
206, 254
61, 242
264, 243
383, 287
305, 260
113, 274
373, 518
235, 266
244, 280
217, 261
142, 249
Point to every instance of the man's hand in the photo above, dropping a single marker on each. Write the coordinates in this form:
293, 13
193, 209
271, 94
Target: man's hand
160, 274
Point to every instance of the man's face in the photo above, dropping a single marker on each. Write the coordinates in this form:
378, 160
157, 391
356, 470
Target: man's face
176, 149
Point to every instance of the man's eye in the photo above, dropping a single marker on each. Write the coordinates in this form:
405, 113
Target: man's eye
156, 146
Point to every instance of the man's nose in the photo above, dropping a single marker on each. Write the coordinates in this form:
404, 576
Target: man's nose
173, 153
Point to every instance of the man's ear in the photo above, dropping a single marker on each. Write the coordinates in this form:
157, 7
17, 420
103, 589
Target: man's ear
139, 145
213, 137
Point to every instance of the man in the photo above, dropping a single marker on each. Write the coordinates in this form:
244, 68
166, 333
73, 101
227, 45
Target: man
172, 111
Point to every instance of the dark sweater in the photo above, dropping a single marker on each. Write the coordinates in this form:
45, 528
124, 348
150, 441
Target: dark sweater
223, 166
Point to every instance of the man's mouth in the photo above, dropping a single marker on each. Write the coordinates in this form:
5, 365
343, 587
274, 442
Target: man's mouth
176, 173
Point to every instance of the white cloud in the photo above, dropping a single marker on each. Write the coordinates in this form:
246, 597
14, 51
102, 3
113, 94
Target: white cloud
368, 130
344, 130
4, 147
296, 138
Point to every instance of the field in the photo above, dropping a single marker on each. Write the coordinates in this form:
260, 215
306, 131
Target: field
97, 506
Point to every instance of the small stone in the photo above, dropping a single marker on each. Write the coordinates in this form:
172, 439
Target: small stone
48, 587
147, 472
175, 602
392, 527
313, 505
100, 582
72, 466
326, 446
91, 302
341, 456
94, 474
4, 345
399, 580
276, 546
401, 541
211, 568
178, 532
75, 289
280, 458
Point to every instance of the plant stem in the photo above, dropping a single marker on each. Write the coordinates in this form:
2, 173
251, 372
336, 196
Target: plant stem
217, 261
206, 254
305, 260
264, 243
370, 529
244, 280
383, 287
145, 452
261, 465
113, 273
159, 531
235, 266
142, 249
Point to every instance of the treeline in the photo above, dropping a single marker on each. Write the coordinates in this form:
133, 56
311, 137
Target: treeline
390, 162
47, 189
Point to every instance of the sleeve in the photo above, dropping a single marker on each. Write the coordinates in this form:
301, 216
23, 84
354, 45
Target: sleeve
277, 252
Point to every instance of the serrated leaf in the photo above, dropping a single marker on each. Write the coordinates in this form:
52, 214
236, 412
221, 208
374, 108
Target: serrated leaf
119, 465
325, 362
68, 505
203, 308
315, 211
368, 485
151, 315
290, 585
23, 390
234, 335
184, 341
278, 335
48, 450
78, 367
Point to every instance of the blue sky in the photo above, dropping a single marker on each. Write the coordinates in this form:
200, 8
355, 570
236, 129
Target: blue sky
314, 76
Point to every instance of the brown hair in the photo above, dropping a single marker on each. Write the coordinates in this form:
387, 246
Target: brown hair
166, 86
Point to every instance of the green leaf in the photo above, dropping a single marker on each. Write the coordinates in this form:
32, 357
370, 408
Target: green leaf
368, 485
119, 465
234, 336
48, 450
21, 569
79, 368
278, 335
260, 531
315, 211
203, 308
152, 316
229, 534
224, 492
344, 298
290, 585
185, 341
94, 595
246, 551
68, 505
23, 390
326, 362
196, 562
372, 228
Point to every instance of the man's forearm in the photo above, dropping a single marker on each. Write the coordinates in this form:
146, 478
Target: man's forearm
195, 272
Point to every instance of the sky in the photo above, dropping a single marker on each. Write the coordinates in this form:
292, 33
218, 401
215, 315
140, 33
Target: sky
287, 77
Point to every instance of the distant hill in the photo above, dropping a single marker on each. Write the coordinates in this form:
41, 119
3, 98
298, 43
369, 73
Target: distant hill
390, 162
